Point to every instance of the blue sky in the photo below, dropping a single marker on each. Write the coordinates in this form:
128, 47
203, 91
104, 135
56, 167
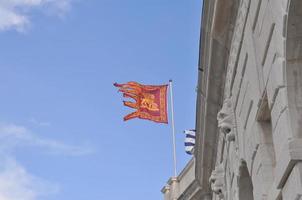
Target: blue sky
62, 136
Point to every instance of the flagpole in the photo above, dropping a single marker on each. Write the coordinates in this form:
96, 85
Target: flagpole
173, 127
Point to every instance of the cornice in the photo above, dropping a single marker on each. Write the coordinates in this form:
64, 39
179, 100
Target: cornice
218, 20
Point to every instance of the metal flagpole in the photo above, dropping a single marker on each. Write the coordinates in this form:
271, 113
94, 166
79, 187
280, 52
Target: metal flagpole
173, 127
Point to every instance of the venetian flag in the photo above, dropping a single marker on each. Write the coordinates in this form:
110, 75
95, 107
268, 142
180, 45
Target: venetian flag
190, 141
149, 101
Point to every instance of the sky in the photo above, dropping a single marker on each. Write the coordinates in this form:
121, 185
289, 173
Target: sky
62, 134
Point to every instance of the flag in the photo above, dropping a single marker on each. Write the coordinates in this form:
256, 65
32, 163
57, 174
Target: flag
190, 141
150, 101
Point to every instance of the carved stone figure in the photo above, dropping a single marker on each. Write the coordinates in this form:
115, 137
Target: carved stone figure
217, 181
226, 120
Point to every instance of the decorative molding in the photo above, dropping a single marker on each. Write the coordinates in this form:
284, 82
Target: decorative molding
236, 44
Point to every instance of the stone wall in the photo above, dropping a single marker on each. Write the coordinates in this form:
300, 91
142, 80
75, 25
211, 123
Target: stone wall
249, 104
259, 142
181, 187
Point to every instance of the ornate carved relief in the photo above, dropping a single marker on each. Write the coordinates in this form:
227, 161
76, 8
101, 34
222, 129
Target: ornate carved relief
236, 44
226, 120
217, 181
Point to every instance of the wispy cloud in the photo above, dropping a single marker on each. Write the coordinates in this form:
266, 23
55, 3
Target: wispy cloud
14, 14
16, 183
12, 135
36, 122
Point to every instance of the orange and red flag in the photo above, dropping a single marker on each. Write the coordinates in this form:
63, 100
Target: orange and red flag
150, 101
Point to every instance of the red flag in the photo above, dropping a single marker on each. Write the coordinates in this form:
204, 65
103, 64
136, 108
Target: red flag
150, 101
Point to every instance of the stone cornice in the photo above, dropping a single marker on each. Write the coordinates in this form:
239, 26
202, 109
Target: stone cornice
218, 20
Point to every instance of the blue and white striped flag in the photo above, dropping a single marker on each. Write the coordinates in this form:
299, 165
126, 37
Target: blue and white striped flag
190, 141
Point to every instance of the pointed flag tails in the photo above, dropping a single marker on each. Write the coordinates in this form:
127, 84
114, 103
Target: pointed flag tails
150, 101
190, 141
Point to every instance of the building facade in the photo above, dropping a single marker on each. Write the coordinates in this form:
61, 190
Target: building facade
249, 103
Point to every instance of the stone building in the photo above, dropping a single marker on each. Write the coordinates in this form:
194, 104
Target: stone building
249, 104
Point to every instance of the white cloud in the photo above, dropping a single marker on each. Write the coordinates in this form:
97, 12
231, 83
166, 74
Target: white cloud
38, 123
12, 135
14, 14
16, 183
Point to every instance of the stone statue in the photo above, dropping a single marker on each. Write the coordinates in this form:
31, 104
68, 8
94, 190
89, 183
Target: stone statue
217, 181
226, 120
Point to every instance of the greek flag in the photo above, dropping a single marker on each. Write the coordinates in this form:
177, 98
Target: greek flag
190, 141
